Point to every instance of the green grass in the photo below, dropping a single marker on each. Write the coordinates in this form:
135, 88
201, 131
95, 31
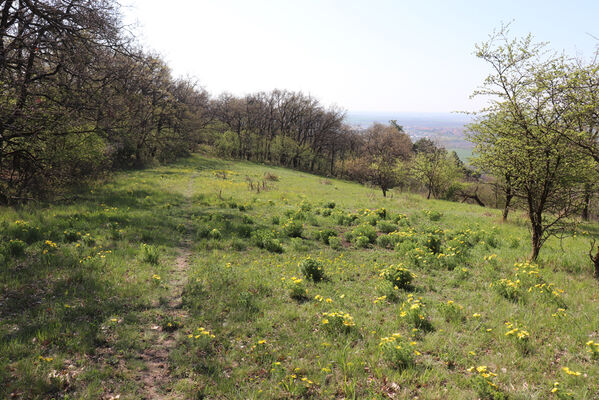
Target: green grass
77, 312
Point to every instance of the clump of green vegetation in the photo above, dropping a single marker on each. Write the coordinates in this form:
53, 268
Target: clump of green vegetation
451, 311
292, 228
362, 242
397, 351
338, 322
365, 231
335, 243
398, 276
325, 235
386, 226
15, 247
312, 269
149, 253
266, 240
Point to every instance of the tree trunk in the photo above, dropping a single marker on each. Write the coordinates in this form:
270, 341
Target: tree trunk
506, 208
384, 189
536, 244
587, 201
508, 197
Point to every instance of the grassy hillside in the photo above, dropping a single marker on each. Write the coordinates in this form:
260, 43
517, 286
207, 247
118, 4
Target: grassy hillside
210, 279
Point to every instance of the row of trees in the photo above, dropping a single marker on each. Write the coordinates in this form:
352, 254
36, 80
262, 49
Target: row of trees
78, 98
538, 136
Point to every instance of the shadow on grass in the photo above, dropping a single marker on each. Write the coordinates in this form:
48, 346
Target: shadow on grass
75, 273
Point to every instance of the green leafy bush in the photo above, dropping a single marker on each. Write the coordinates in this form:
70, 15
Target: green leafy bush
149, 253
312, 269
24, 231
266, 240
335, 243
329, 205
292, 228
325, 235
433, 215
386, 226
451, 311
399, 276
297, 289
215, 234
510, 289
397, 352
362, 242
364, 230
386, 241
15, 247
338, 322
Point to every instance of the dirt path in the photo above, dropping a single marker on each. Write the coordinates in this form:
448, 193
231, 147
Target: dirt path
156, 377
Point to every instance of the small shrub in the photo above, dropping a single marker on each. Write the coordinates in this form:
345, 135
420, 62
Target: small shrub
149, 253
414, 312
338, 322
593, 349
275, 220
385, 241
312, 269
170, 324
386, 226
305, 206
362, 242
297, 289
16, 247
266, 240
491, 241
293, 228
88, 240
202, 231
399, 276
24, 231
372, 219
335, 243
520, 336
312, 220
215, 234
325, 235
433, 242
365, 230
329, 205
484, 385
399, 218
397, 352
514, 243
451, 311
508, 289
326, 212
433, 215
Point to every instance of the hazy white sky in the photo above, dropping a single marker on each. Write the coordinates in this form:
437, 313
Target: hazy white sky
370, 55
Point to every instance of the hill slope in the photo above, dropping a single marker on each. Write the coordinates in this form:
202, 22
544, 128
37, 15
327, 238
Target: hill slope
184, 281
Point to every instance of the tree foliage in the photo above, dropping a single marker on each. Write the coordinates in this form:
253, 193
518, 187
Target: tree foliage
522, 136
